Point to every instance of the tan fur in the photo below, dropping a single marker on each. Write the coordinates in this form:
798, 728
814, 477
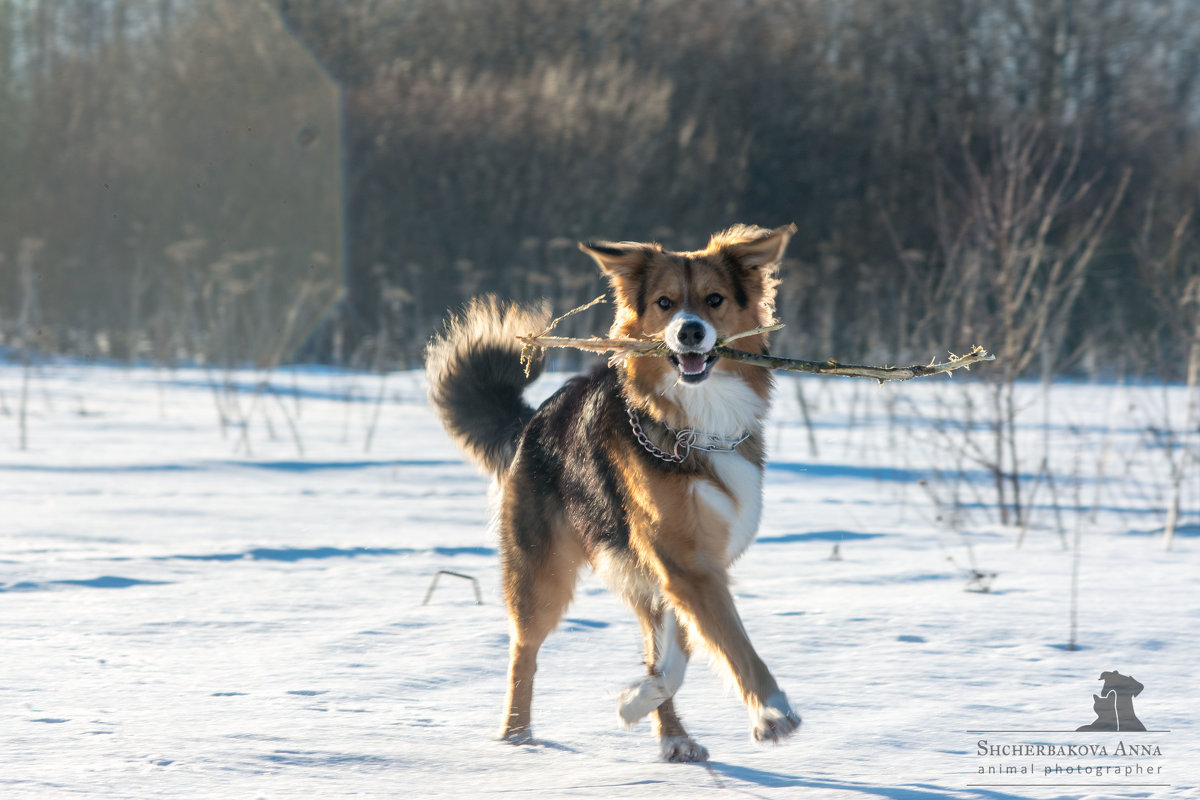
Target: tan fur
534, 614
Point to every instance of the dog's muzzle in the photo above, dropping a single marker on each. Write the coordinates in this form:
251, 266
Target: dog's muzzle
691, 340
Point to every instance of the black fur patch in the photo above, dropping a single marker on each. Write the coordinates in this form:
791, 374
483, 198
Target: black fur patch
605, 249
561, 457
643, 287
735, 272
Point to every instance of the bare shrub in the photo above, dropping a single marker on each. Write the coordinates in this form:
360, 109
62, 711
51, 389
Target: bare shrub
1018, 230
1173, 274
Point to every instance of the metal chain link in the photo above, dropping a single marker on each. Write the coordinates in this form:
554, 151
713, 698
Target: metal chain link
685, 440
644, 441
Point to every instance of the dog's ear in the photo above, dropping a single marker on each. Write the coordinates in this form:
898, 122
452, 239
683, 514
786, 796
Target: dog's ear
620, 261
763, 250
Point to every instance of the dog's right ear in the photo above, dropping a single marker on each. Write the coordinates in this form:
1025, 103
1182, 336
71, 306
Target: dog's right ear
620, 261
763, 250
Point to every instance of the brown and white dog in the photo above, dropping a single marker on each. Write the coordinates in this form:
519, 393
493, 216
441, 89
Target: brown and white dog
650, 471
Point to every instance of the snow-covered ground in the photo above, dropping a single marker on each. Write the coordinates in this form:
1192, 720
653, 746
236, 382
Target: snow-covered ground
191, 611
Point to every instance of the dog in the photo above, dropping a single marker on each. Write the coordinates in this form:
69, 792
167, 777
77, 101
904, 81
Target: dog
649, 470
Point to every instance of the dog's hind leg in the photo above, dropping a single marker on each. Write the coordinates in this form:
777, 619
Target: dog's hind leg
539, 570
667, 653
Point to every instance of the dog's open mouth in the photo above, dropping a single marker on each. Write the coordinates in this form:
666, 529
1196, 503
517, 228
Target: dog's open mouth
693, 367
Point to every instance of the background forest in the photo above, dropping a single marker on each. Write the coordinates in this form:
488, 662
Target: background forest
221, 181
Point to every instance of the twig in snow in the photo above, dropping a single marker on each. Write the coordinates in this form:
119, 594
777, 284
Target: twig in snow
440, 573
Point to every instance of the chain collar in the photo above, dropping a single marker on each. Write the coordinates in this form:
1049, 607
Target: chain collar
686, 440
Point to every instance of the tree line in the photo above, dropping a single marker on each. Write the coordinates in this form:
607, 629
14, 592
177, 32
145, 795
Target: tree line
1014, 173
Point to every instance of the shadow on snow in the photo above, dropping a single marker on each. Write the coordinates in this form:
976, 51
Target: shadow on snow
279, 554
103, 582
818, 536
913, 792
280, 466
292, 554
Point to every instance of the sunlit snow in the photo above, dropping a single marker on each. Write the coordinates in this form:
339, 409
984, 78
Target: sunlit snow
195, 609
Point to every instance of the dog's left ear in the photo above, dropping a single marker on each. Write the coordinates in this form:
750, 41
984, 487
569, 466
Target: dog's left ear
764, 250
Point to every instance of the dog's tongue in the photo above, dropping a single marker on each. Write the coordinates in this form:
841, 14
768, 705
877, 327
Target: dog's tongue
691, 363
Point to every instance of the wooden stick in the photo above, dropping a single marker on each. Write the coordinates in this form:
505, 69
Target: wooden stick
628, 348
533, 346
880, 374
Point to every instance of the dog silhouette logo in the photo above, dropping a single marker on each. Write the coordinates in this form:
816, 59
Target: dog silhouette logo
1114, 705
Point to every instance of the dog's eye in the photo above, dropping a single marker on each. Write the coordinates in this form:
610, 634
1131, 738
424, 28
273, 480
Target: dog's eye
714, 299
664, 302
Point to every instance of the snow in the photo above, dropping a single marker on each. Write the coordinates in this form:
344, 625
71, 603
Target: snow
195, 610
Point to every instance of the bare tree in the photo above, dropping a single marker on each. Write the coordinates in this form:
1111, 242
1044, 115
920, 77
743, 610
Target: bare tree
1019, 228
1174, 277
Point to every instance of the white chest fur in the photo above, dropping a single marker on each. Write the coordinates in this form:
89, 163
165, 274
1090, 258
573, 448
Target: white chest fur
741, 512
724, 404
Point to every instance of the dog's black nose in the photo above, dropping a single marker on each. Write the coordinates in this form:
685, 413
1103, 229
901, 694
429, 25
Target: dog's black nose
691, 334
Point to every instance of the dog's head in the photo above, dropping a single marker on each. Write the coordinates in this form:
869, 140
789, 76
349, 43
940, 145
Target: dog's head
693, 298
1122, 684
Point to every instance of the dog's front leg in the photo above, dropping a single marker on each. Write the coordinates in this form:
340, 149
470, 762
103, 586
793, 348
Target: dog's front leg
700, 594
667, 654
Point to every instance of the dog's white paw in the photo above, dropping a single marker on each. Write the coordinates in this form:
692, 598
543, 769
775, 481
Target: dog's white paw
640, 698
776, 720
682, 750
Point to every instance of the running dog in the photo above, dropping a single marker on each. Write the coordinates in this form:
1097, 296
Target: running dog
650, 471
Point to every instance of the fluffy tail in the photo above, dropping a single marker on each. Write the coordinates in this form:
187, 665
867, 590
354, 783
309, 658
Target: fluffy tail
476, 379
